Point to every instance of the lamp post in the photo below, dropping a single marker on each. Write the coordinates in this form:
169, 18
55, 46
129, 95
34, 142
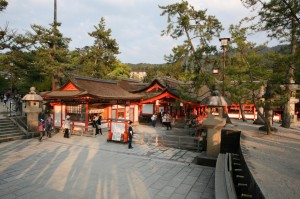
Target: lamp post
224, 44
11, 65
11, 88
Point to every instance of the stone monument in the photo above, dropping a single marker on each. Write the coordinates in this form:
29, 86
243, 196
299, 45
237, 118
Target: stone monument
214, 124
33, 108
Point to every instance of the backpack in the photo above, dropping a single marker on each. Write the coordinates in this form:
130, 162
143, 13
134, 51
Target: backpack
99, 120
48, 123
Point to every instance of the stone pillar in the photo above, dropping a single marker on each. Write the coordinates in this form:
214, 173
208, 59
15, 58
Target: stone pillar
214, 126
293, 115
292, 101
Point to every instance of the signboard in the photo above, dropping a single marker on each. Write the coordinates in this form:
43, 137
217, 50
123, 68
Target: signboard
117, 130
147, 108
96, 111
57, 116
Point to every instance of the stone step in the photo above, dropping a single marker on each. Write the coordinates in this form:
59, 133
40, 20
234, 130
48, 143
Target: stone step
11, 134
2, 121
10, 131
7, 130
8, 126
11, 138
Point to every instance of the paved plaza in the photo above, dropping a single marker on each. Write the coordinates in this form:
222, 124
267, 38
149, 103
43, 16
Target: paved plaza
87, 167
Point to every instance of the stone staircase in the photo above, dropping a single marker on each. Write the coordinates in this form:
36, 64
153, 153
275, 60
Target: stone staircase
9, 130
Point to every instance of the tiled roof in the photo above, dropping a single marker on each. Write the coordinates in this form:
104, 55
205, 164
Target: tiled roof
165, 82
104, 89
131, 85
59, 93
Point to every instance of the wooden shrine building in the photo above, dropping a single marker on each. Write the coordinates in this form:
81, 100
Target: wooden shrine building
83, 97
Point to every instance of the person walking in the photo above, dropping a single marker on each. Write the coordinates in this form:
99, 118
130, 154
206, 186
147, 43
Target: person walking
160, 117
168, 119
5, 99
164, 120
67, 127
96, 125
153, 119
48, 126
99, 123
130, 135
41, 129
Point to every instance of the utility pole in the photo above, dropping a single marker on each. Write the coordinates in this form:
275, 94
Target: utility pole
54, 32
55, 22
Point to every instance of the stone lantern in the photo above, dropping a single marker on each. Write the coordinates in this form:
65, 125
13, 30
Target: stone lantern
32, 108
214, 124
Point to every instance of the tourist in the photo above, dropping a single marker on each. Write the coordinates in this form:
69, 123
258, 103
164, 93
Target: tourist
153, 119
67, 127
41, 129
168, 121
48, 126
130, 135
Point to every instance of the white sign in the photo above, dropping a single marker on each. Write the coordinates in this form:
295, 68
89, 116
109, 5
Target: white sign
147, 108
96, 111
117, 130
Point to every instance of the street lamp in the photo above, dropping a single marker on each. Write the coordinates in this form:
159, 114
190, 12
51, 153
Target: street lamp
224, 44
11, 88
11, 65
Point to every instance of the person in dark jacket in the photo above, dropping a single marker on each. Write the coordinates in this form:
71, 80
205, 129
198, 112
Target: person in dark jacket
99, 124
130, 135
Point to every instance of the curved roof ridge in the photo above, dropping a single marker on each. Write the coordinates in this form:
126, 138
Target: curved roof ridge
94, 79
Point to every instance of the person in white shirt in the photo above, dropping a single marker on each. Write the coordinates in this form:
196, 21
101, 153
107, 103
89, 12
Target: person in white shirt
67, 127
153, 119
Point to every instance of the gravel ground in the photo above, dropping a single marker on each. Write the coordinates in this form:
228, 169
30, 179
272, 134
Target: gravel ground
274, 160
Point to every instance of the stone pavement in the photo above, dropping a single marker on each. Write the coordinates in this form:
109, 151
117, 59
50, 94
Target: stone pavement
86, 167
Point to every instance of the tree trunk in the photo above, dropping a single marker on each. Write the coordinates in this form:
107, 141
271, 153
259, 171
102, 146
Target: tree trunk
267, 124
286, 115
242, 112
286, 118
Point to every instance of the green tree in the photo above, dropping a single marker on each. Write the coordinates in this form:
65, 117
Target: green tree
250, 71
17, 59
6, 37
121, 70
281, 19
3, 4
197, 29
50, 51
100, 59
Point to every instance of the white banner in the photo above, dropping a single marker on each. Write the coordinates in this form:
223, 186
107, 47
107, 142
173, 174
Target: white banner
96, 111
117, 130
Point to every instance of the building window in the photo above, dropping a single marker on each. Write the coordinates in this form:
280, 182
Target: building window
118, 111
77, 112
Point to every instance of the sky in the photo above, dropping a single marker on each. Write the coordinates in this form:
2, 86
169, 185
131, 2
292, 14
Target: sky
136, 24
